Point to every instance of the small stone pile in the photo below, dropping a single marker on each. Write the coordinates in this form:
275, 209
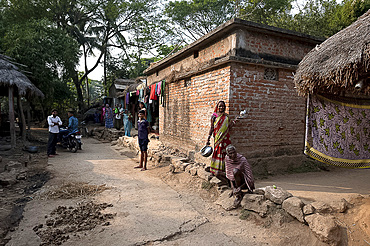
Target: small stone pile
110, 134
282, 206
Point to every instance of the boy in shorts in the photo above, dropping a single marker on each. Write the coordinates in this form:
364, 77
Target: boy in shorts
143, 131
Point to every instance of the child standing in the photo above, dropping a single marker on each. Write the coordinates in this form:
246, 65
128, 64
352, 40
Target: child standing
143, 131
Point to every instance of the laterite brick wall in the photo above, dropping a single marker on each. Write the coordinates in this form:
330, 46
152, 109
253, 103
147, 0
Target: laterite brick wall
185, 120
275, 122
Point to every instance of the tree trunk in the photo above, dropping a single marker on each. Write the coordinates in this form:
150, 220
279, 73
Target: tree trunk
105, 72
23, 119
80, 98
87, 79
11, 117
28, 117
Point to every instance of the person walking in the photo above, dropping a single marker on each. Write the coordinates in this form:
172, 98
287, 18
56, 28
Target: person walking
54, 122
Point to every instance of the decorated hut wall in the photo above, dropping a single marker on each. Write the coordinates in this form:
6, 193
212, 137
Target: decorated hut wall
335, 78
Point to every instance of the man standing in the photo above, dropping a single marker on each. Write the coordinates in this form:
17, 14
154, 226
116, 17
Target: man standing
239, 172
54, 123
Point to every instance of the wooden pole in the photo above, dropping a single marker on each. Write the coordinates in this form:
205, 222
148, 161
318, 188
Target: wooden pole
23, 119
11, 117
28, 117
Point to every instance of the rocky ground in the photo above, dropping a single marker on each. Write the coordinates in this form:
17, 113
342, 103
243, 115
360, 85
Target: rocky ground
95, 197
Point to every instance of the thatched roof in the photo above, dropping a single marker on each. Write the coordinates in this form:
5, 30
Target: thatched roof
338, 63
10, 75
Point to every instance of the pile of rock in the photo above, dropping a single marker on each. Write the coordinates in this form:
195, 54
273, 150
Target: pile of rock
158, 154
110, 134
282, 207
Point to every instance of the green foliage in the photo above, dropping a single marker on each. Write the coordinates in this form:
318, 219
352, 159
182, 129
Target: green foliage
269, 12
47, 52
195, 18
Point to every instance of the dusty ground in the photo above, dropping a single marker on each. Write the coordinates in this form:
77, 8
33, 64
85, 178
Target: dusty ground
158, 208
14, 198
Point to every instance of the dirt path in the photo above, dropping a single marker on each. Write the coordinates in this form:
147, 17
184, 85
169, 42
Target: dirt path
148, 210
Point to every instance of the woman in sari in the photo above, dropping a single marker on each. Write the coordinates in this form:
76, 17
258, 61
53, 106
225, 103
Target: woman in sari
108, 116
220, 127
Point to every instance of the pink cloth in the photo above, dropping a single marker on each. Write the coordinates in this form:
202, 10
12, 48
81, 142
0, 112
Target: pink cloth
242, 164
159, 88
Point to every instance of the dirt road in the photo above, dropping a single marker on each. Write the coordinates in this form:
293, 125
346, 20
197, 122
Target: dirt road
148, 210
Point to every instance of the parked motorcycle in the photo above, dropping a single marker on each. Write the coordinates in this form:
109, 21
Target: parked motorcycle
70, 140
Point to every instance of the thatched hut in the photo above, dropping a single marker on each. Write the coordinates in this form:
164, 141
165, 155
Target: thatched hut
16, 83
335, 77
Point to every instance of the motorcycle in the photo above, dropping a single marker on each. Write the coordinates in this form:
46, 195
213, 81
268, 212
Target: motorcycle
70, 140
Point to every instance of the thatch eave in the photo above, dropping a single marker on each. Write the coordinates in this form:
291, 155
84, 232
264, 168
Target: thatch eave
10, 75
338, 63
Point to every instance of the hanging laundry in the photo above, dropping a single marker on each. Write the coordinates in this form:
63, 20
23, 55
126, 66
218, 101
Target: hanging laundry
159, 88
128, 98
153, 96
163, 87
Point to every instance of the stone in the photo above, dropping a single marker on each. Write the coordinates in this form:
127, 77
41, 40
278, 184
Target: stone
293, 206
321, 207
193, 171
308, 209
1, 158
188, 167
259, 191
12, 165
339, 206
9, 178
257, 203
203, 174
184, 165
325, 228
225, 201
171, 169
215, 181
277, 195
166, 159
191, 155
280, 217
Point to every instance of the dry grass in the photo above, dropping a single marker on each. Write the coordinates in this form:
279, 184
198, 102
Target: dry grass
74, 190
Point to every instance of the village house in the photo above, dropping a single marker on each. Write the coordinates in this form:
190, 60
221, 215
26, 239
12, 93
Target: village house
251, 67
118, 87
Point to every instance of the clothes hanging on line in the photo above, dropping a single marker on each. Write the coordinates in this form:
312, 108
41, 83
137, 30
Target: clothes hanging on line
153, 96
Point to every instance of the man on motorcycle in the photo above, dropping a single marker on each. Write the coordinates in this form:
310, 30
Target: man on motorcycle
72, 127
73, 122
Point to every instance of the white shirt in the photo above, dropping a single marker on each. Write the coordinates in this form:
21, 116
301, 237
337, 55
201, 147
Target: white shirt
51, 121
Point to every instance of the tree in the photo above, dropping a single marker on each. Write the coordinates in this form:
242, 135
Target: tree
268, 12
193, 19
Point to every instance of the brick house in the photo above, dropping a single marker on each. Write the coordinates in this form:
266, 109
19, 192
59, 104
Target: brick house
249, 66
